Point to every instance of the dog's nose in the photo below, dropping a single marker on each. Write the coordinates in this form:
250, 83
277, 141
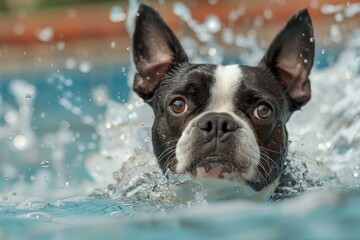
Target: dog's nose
217, 125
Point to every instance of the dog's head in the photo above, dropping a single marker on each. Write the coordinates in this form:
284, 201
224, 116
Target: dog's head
222, 121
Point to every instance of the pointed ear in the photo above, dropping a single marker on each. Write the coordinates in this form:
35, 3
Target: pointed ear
155, 50
290, 57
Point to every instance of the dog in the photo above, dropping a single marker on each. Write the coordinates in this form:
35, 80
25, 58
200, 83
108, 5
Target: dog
222, 121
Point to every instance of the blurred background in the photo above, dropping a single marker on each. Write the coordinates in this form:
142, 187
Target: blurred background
64, 73
54, 30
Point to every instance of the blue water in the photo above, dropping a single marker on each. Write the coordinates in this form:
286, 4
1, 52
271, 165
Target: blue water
83, 139
325, 215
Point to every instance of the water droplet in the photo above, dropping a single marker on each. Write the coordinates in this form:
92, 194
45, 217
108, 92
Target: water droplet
335, 33
132, 116
85, 66
60, 45
181, 10
45, 34
311, 39
45, 164
67, 184
339, 17
329, 145
113, 44
305, 61
5, 198
64, 125
117, 14
323, 51
72, 13
330, 8
213, 2
212, 51
10, 138
116, 214
14, 194
20, 142
70, 63
268, 14
212, 23
146, 139
28, 95
19, 29
228, 35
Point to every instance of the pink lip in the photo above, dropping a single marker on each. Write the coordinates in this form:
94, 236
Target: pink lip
216, 172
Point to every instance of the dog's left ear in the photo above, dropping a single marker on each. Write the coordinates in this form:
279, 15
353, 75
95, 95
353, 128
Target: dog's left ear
155, 50
290, 57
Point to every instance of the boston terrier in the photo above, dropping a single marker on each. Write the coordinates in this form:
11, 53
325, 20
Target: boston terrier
222, 121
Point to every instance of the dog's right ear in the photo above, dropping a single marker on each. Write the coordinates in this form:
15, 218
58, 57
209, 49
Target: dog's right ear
155, 50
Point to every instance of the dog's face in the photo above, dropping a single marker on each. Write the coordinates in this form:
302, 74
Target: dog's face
222, 121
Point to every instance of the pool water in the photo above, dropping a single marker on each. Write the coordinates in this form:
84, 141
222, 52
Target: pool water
76, 159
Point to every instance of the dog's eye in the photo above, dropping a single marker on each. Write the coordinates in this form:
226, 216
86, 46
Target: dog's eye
262, 112
178, 105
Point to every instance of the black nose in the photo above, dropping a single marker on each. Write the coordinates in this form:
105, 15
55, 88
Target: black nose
217, 125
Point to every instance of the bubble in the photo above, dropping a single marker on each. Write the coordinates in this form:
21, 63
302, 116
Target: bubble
45, 164
45, 34
311, 39
5, 198
85, 66
117, 14
113, 44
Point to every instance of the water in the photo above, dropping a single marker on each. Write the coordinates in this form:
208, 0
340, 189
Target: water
76, 160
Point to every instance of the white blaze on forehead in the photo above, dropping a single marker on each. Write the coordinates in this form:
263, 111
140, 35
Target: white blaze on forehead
227, 79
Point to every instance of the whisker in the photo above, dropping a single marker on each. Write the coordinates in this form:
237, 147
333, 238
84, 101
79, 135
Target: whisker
166, 152
269, 150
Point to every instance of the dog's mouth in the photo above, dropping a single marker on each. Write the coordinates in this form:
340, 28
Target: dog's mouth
213, 167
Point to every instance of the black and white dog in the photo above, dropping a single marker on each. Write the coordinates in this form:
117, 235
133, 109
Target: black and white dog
222, 121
